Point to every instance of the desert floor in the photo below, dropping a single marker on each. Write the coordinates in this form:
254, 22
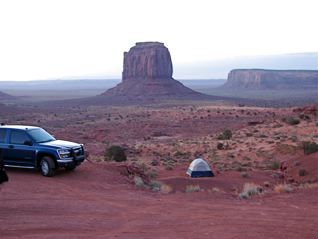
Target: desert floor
103, 199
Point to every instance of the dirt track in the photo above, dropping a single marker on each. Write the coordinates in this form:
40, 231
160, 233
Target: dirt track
96, 202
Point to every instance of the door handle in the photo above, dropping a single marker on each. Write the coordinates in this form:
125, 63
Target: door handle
11, 146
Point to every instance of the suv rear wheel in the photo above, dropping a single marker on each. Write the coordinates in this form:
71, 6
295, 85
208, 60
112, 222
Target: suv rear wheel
47, 167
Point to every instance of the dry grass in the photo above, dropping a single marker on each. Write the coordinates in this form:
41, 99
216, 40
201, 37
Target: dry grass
214, 190
283, 188
250, 189
166, 189
192, 188
308, 185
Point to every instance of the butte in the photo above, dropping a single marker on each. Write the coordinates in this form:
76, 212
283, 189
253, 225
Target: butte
147, 75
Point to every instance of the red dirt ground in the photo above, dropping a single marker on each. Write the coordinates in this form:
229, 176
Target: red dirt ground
95, 201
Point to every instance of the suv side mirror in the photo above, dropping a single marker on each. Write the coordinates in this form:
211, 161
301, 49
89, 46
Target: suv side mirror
28, 142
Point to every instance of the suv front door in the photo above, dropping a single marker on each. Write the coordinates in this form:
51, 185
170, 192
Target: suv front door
19, 152
3, 143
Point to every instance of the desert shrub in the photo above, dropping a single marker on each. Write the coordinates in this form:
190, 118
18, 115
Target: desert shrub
246, 158
263, 136
246, 164
154, 162
168, 162
294, 138
236, 165
291, 120
266, 184
192, 188
310, 147
302, 172
250, 189
158, 134
115, 153
283, 188
274, 165
225, 135
180, 154
220, 146
169, 167
155, 185
304, 117
152, 174
264, 154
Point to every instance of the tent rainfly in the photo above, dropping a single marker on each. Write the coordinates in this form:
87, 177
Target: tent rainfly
199, 168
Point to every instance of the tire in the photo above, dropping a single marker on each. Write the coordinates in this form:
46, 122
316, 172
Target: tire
47, 167
70, 167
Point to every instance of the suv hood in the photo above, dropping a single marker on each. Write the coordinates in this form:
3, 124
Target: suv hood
61, 144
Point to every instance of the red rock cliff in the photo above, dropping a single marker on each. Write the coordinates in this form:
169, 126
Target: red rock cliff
272, 79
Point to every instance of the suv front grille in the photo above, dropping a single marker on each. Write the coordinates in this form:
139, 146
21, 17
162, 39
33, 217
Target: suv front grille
77, 151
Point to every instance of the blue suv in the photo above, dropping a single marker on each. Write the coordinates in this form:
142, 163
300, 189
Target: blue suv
33, 147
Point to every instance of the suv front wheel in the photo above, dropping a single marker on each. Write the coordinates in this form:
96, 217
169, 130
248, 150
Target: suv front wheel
47, 167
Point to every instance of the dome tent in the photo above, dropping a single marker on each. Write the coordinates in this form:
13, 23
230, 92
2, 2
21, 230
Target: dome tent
199, 168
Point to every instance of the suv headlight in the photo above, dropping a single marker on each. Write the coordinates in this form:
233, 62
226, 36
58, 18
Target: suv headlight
64, 153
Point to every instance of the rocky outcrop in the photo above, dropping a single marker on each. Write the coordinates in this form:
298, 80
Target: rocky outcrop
271, 79
148, 74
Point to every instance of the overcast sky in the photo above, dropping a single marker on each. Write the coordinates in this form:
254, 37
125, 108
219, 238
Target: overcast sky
42, 39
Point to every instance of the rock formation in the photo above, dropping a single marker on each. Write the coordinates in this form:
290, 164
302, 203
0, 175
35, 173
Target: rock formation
147, 60
148, 74
272, 79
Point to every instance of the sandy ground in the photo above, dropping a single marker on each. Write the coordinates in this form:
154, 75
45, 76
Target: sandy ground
95, 201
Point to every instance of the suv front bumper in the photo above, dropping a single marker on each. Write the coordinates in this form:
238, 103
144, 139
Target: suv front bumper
73, 161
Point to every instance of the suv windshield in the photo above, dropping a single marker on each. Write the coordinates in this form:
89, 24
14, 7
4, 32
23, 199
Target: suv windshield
40, 135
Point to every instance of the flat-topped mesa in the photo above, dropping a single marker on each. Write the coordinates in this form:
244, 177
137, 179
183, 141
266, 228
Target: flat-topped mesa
272, 79
147, 60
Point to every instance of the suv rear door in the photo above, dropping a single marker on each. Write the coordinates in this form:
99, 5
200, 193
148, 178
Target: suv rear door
17, 152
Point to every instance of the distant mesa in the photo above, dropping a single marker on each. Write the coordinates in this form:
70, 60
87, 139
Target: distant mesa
5, 96
261, 79
147, 74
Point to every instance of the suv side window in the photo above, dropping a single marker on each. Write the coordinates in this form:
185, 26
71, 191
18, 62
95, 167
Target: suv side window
3, 134
18, 137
